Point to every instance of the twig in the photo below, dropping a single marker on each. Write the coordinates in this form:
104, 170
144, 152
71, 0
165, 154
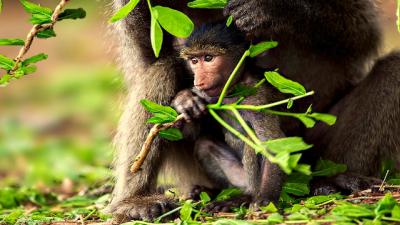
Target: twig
34, 31
382, 187
141, 157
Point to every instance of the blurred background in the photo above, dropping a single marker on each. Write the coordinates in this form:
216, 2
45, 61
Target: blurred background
56, 125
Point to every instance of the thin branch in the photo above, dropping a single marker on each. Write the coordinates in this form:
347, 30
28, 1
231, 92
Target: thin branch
141, 157
34, 31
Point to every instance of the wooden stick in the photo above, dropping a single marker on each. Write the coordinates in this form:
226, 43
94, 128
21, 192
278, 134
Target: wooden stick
141, 157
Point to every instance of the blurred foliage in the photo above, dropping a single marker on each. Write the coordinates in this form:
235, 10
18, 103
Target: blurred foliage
71, 138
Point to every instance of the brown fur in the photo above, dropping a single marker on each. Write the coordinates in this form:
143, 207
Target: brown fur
326, 45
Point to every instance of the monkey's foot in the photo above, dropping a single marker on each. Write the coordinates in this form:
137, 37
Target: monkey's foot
353, 182
345, 183
197, 189
227, 205
146, 208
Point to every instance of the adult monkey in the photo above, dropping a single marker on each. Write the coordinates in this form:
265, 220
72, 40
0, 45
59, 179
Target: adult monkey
325, 45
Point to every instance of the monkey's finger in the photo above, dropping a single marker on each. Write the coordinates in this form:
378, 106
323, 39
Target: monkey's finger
247, 24
231, 6
200, 104
238, 12
186, 117
196, 111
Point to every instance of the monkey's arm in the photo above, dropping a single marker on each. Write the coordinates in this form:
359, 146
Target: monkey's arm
337, 26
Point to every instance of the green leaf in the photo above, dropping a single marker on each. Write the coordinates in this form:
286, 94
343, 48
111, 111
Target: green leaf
260, 48
312, 202
241, 90
25, 70
124, 11
297, 216
171, 134
297, 184
283, 84
289, 144
304, 169
6, 63
282, 159
48, 33
34, 59
231, 222
270, 208
229, 21
173, 21
327, 168
308, 122
156, 36
290, 104
72, 14
228, 193
354, 211
385, 205
160, 119
186, 211
159, 109
297, 189
204, 197
275, 218
396, 212
12, 42
5, 80
208, 4
40, 15
326, 118
1, 5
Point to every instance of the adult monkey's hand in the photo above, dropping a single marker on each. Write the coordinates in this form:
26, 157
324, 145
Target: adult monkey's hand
249, 15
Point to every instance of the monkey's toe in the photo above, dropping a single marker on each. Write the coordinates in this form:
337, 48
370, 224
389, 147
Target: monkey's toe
198, 189
227, 205
146, 208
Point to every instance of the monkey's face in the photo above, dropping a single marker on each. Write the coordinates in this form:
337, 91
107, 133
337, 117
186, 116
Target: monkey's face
211, 72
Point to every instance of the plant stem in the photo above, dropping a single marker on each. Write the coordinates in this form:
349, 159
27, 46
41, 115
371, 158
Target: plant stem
233, 130
257, 108
246, 127
232, 77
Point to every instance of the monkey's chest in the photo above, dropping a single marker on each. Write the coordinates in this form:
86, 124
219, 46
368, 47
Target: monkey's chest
232, 140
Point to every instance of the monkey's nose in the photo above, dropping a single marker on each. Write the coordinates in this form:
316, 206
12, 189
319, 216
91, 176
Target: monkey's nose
199, 85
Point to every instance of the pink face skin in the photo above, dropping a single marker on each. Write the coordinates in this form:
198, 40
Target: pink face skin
211, 72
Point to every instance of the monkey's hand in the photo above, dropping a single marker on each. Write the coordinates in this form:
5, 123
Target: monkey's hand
189, 105
146, 208
249, 15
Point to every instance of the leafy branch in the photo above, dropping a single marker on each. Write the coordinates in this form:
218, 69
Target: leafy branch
43, 20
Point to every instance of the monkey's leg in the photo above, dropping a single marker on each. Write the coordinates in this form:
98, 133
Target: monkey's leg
368, 126
221, 164
225, 168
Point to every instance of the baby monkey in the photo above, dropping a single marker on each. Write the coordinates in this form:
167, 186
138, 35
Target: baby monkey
211, 53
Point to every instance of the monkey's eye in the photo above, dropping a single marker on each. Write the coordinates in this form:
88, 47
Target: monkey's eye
208, 58
194, 60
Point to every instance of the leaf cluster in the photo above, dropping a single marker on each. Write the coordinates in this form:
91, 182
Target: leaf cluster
40, 16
